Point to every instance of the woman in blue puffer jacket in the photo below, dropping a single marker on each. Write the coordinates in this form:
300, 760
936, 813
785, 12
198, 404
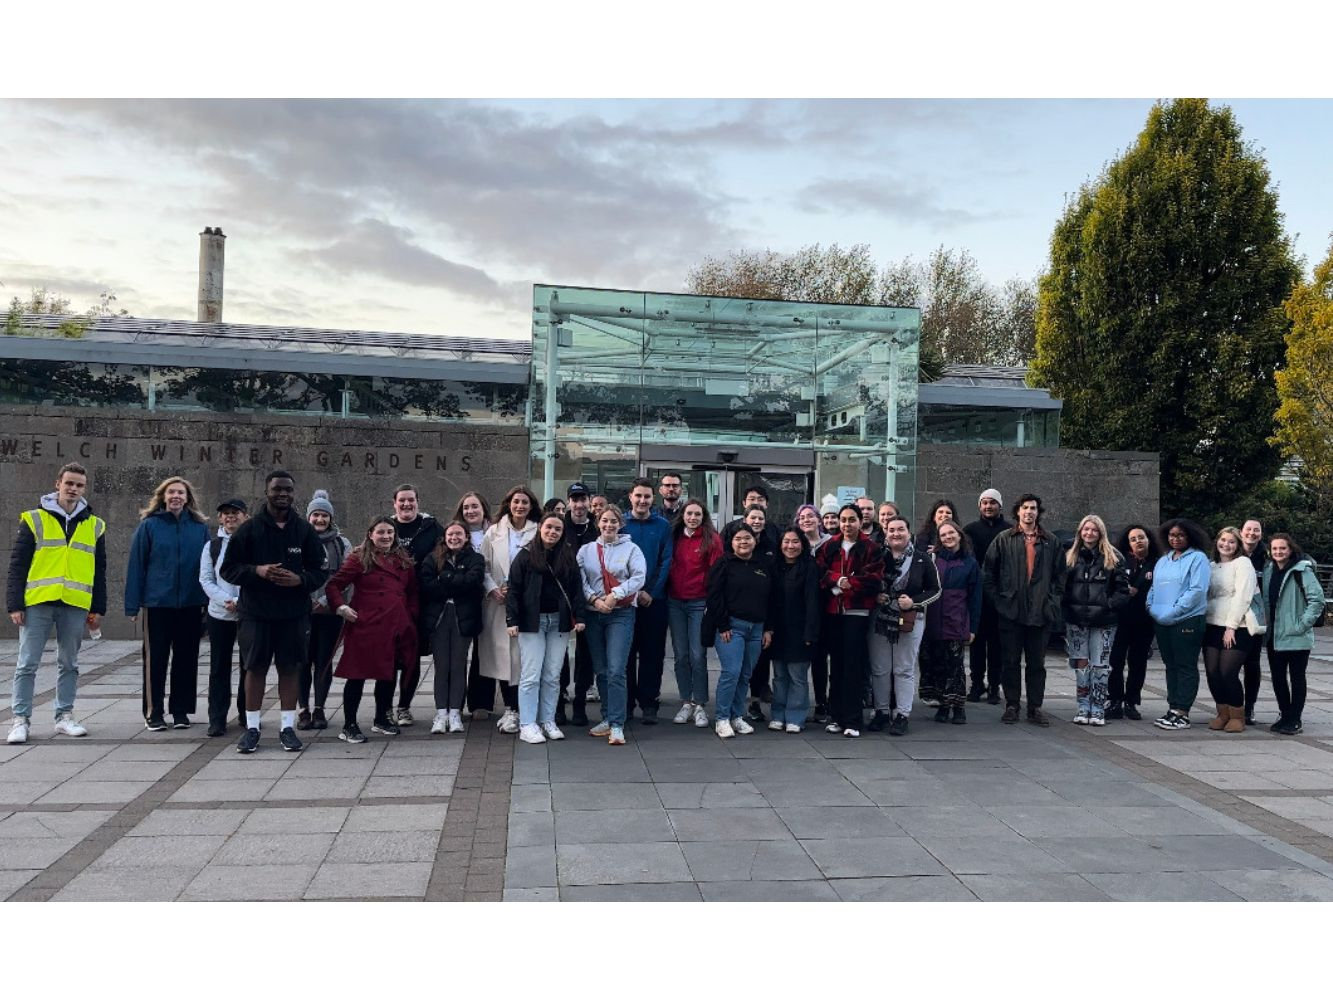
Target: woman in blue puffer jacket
162, 584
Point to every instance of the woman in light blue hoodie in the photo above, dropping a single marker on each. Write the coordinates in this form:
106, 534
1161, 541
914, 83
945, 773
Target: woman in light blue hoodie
613, 570
1178, 605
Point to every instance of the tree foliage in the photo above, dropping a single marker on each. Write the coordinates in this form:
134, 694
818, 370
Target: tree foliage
43, 302
964, 319
1160, 321
1305, 383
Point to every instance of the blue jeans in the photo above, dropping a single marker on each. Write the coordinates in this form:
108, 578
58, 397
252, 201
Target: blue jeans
609, 637
738, 658
540, 654
687, 643
69, 622
791, 692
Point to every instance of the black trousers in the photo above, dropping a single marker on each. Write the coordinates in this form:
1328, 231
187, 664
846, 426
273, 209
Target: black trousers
760, 687
1133, 639
171, 637
847, 641
1253, 671
1287, 671
480, 689
647, 654
984, 654
1023, 645
221, 642
352, 690
819, 674
583, 676
317, 670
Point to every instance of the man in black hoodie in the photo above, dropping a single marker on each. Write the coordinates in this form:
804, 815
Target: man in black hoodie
418, 533
580, 529
985, 651
277, 560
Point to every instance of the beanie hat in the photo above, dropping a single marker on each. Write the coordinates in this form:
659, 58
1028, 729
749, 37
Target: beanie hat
829, 505
991, 494
320, 501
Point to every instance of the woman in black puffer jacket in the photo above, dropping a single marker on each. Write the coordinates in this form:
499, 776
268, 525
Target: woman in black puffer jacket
1096, 588
450, 581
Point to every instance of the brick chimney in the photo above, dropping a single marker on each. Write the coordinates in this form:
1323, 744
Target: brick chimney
212, 251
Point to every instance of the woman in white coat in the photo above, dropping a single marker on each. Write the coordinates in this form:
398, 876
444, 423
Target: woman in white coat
515, 525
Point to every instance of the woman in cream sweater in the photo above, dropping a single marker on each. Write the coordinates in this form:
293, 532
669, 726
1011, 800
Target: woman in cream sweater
1230, 628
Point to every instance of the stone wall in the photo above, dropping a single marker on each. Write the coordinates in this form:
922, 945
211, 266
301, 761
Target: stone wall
223, 456
1120, 486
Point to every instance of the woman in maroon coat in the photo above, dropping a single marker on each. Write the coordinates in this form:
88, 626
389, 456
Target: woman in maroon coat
381, 623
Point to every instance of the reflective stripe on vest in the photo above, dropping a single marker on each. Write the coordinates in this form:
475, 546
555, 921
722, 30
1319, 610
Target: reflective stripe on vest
61, 570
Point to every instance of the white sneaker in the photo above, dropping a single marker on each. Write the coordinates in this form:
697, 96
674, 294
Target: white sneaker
18, 730
742, 727
617, 737
723, 729
833, 728
455, 720
776, 726
67, 725
1081, 719
700, 717
593, 695
852, 734
441, 723
602, 728
552, 731
531, 733
793, 728
1096, 720
508, 723
685, 714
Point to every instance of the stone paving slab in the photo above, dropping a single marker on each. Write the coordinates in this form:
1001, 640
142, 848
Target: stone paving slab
947, 813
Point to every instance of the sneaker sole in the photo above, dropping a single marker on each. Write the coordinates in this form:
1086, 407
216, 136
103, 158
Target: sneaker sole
246, 749
293, 749
347, 739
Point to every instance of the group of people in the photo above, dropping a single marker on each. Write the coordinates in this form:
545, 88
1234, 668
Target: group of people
844, 611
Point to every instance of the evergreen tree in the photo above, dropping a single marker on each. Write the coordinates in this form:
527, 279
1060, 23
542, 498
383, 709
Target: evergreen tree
1160, 320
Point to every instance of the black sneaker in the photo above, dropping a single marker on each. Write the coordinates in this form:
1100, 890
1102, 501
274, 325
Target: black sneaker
898, 727
304, 721
650, 715
1249, 717
155, 724
1010, 715
317, 720
976, 694
1290, 728
290, 741
1115, 710
561, 719
217, 729
352, 734
877, 724
756, 713
1037, 717
1132, 712
942, 715
386, 726
180, 722
821, 715
994, 699
959, 716
249, 741
579, 716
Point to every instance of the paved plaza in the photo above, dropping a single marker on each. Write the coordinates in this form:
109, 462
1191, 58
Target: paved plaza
983, 811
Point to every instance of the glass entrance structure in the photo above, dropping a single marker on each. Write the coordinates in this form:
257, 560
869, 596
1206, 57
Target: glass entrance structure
807, 397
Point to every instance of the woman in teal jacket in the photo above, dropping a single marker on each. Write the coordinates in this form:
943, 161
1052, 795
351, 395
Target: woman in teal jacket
1294, 599
1178, 605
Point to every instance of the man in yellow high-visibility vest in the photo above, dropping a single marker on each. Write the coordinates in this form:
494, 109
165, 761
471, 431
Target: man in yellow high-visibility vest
57, 580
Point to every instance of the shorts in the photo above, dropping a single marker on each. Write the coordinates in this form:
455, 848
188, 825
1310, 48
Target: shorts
1212, 638
263, 642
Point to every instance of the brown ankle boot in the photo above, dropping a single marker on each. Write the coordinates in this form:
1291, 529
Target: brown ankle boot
1235, 724
1223, 716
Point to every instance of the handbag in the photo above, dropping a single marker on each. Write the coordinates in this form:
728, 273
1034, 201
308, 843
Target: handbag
1256, 619
609, 582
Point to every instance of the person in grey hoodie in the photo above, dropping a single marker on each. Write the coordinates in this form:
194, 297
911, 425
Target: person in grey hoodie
223, 620
614, 571
325, 626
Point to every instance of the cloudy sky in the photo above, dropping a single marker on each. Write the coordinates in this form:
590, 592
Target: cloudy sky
437, 216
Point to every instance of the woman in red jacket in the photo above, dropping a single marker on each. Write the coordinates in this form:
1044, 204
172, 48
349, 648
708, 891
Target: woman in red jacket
381, 627
851, 567
695, 548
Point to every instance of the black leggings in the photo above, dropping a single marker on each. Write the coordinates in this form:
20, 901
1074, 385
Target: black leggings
1222, 667
1254, 673
1290, 700
352, 699
317, 670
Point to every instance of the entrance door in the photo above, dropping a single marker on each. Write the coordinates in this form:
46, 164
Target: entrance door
722, 490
